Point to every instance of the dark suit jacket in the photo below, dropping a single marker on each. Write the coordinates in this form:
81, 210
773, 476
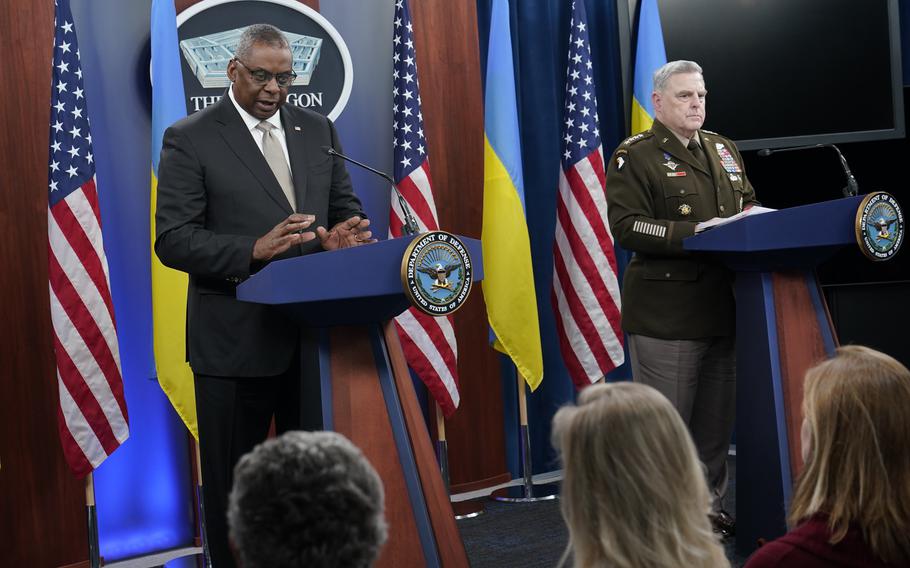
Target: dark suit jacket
216, 196
657, 192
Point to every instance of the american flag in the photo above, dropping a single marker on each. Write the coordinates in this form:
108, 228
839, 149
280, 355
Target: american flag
428, 343
585, 292
92, 416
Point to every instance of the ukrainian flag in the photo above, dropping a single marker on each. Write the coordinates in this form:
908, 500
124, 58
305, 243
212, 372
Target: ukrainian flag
508, 285
650, 55
168, 285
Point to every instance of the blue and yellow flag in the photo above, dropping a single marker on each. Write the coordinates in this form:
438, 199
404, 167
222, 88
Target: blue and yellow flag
168, 285
650, 55
508, 285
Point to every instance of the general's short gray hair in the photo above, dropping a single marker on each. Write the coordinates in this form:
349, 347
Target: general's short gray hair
662, 75
306, 499
266, 34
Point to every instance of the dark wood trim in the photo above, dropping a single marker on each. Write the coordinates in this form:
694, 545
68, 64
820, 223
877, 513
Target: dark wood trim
83, 564
800, 344
448, 539
359, 412
480, 483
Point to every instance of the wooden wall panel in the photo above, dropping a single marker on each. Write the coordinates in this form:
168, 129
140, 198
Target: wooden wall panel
41, 504
448, 66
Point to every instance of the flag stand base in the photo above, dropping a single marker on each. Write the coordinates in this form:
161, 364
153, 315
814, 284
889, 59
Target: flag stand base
528, 485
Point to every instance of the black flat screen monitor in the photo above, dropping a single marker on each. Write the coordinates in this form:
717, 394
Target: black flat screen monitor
792, 72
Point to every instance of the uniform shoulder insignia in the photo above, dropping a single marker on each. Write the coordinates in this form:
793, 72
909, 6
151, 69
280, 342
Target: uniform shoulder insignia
710, 132
637, 138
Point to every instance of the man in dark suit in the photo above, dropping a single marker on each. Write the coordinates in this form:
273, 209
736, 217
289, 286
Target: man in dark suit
678, 307
239, 185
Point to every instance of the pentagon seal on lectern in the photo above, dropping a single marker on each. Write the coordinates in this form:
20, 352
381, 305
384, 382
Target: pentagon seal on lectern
879, 226
436, 273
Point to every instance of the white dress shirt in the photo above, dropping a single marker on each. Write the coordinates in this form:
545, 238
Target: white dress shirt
251, 123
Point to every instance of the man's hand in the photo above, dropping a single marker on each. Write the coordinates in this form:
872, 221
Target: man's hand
286, 234
351, 233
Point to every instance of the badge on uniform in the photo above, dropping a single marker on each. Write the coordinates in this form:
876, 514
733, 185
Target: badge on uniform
676, 174
670, 164
727, 160
620, 162
685, 209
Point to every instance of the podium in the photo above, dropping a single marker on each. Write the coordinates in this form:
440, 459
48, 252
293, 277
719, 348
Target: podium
366, 388
782, 329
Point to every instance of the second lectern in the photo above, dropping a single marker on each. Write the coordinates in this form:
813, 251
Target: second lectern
782, 329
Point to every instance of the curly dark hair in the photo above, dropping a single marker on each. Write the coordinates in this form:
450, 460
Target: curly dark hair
306, 499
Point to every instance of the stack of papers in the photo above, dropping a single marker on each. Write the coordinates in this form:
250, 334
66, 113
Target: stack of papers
718, 221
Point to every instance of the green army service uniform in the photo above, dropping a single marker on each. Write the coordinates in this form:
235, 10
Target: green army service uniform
657, 192
678, 306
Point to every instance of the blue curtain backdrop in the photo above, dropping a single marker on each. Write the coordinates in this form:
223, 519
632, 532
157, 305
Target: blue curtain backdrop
540, 39
143, 490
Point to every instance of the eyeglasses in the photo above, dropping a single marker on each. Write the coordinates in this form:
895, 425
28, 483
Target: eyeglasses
263, 77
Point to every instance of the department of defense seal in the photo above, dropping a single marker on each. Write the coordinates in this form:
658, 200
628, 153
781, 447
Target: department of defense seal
436, 273
879, 226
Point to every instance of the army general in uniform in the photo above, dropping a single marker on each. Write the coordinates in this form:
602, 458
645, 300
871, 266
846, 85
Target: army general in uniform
677, 306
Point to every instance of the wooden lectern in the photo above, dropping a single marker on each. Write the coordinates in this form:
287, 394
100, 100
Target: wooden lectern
367, 393
782, 328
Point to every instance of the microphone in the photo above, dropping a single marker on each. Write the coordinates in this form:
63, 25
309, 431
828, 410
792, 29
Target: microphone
410, 226
852, 187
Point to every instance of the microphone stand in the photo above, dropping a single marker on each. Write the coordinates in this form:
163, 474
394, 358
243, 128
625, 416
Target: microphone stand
410, 226
851, 189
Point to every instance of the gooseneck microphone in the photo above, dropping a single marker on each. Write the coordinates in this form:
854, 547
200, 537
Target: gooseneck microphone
852, 187
410, 224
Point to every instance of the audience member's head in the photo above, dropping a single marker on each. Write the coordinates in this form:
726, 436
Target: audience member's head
306, 499
856, 430
634, 492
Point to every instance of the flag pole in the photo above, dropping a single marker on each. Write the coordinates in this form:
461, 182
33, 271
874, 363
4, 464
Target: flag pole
94, 553
442, 447
206, 556
525, 448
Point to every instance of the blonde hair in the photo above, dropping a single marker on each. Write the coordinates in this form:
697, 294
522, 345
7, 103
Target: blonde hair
634, 493
857, 406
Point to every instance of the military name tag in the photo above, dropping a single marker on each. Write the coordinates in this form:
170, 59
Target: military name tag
436, 273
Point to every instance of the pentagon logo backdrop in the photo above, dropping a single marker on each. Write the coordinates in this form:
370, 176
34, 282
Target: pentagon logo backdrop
210, 30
